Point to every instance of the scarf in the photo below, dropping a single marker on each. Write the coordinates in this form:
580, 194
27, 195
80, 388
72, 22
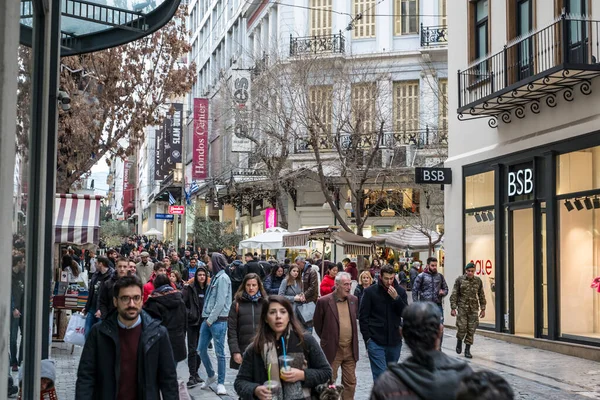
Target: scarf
289, 391
254, 298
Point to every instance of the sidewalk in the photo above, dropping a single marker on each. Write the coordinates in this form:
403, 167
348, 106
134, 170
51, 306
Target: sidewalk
533, 373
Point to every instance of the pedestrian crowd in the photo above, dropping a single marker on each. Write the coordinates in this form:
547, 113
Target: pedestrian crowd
145, 315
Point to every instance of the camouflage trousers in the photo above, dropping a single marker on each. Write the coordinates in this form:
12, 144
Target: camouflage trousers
466, 324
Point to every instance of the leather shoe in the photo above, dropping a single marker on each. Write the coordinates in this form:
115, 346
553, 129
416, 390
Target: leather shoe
458, 346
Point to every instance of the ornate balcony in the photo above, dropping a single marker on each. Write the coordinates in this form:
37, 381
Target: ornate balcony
433, 36
538, 67
317, 44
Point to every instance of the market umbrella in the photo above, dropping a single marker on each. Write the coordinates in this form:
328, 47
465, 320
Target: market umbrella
271, 239
153, 232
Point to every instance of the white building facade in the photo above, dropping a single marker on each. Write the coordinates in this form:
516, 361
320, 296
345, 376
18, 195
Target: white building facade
406, 38
525, 157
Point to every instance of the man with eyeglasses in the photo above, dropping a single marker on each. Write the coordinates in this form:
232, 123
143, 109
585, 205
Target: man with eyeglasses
131, 344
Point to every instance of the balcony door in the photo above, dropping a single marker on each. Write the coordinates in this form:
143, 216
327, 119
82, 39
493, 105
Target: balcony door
525, 48
577, 31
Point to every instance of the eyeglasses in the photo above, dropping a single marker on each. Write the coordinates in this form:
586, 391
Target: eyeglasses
127, 299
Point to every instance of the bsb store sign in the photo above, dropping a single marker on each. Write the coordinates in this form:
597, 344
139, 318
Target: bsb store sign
520, 182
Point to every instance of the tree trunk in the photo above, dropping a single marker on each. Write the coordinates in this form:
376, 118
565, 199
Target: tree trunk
282, 218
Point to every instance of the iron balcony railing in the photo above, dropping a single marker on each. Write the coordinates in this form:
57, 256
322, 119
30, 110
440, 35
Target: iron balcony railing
434, 35
317, 44
541, 60
422, 138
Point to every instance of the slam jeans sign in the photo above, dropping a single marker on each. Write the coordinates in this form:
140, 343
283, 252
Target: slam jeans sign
200, 142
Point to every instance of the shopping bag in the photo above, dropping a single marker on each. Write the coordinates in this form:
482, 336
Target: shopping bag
76, 330
306, 312
183, 391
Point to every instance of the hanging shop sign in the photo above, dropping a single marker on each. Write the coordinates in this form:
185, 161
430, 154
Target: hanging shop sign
200, 142
433, 175
270, 218
241, 103
128, 186
175, 135
160, 158
163, 216
178, 210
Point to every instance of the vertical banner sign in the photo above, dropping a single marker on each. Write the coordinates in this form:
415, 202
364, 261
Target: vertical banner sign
200, 150
241, 103
270, 218
159, 154
176, 134
127, 186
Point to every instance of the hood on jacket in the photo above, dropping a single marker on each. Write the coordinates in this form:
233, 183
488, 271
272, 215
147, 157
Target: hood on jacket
432, 384
170, 299
219, 262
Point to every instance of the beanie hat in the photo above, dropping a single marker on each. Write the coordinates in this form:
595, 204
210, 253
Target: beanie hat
469, 265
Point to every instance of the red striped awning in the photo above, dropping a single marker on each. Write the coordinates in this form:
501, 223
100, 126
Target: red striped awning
77, 219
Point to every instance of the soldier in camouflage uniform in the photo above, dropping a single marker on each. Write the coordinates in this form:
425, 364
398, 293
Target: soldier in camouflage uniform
468, 298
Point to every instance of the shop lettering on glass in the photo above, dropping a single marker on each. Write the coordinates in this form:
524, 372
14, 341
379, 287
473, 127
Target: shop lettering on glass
483, 267
520, 182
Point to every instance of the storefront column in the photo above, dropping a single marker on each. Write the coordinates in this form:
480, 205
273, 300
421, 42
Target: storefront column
499, 240
9, 44
551, 244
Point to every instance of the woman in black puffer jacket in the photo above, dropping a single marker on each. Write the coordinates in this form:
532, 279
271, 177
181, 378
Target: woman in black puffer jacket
244, 317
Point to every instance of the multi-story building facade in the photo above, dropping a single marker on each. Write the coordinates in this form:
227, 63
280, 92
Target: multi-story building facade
525, 157
401, 48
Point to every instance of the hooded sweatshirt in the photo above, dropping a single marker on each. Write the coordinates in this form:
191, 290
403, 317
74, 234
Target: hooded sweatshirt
217, 301
440, 383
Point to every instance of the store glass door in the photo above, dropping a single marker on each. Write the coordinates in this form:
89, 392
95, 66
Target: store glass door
522, 240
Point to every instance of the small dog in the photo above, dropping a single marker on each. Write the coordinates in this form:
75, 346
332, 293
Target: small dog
330, 391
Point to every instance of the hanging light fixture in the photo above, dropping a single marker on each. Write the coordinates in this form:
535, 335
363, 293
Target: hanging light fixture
490, 215
588, 203
484, 216
578, 204
569, 205
478, 217
596, 202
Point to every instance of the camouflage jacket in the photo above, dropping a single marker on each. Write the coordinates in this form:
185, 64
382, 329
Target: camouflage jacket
467, 294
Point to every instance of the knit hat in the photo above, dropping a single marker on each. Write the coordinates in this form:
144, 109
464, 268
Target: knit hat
469, 265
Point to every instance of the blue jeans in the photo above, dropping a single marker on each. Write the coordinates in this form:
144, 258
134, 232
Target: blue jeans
90, 320
216, 331
381, 356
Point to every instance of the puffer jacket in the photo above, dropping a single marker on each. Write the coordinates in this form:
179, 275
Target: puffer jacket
167, 304
242, 324
272, 284
327, 285
193, 297
412, 381
427, 287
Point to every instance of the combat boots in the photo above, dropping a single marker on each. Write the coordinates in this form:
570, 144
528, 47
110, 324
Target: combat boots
468, 351
458, 346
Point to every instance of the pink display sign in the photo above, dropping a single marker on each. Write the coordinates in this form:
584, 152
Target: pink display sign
270, 218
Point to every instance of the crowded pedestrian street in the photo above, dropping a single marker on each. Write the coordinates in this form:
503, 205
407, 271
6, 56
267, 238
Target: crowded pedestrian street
533, 374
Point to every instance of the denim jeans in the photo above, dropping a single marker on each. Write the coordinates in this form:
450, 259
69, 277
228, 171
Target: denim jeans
381, 356
216, 331
90, 320
15, 325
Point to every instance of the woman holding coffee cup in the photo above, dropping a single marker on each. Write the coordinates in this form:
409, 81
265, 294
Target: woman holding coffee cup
283, 362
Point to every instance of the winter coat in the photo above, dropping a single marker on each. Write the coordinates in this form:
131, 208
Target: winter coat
253, 372
98, 372
403, 279
144, 271
255, 267
427, 287
353, 271
289, 292
273, 283
327, 325
242, 324
218, 298
105, 300
412, 381
193, 297
94, 290
412, 273
168, 306
380, 316
236, 272
358, 292
310, 283
327, 285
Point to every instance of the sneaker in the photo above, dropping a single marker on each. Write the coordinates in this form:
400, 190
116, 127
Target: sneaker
198, 379
221, 391
192, 382
209, 381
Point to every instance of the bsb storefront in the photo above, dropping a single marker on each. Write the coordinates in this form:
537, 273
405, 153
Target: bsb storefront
532, 228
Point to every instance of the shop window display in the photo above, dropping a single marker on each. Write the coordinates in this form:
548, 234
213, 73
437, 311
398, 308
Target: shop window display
479, 236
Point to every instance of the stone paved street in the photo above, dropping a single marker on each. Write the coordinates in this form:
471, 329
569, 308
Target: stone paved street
534, 374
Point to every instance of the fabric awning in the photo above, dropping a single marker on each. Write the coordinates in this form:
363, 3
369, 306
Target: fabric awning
413, 238
301, 238
77, 219
296, 239
355, 244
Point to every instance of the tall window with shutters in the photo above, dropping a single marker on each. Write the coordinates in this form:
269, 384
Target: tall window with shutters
406, 106
443, 105
442, 13
406, 17
321, 105
365, 26
363, 108
320, 17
